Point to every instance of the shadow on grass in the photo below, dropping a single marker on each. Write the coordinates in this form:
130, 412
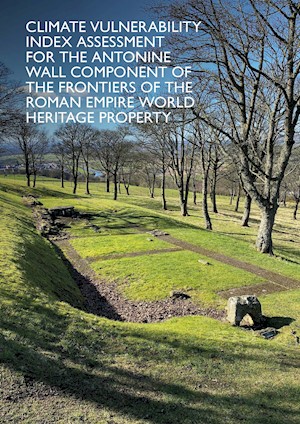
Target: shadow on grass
38, 191
59, 347
238, 216
130, 218
132, 372
68, 354
289, 254
75, 368
279, 322
43, 272
94, 303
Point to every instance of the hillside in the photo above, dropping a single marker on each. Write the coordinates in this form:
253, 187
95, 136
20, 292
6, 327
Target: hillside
61, 363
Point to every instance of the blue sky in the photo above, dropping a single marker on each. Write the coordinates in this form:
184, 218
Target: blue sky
14, 15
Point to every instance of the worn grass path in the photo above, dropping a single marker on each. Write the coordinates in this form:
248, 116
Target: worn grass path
275, 282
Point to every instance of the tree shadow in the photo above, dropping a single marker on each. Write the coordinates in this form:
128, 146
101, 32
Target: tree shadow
38, 191
131, 391
67, 351
134, 393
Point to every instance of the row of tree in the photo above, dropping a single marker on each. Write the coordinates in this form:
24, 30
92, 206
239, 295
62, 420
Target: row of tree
246, 61
81, 144
246, 71
185, 149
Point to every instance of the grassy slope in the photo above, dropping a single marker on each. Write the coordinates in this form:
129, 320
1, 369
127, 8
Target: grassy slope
62, 365
228, 236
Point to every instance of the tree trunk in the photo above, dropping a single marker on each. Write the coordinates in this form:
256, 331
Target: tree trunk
206, 216
75, 174
194, 192
183, 208
87, 184
195, 198
34, 179
183, 202
163, 190
237, 204
264, 238
87, 179
126, 186
213, 189
296, 208
213, 198
152, 186
27, 170
107, 183
232, 195
115, 187
247, 210
284, 198
62, 177
75, 179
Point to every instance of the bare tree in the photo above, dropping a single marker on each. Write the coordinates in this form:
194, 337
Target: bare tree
87, 137
104, 153
37, 152
130, 166
31, 142
59, 149
216, 164
69, 135
112, 149
247, 210
291, 184
181, 153
150, 168
153, 138
10, 103
296, 195
204, 139
249, 52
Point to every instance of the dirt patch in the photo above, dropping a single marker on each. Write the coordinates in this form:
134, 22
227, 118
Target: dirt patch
104, 299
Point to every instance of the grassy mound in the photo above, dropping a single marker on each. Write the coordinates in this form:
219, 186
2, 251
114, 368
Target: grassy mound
60, 364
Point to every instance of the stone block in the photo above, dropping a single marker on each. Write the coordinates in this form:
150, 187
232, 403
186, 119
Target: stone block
239, 306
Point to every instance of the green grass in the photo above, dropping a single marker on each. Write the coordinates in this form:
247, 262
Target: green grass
153, 277
60, 364
116, 244
20, 259
241, 249
228, 236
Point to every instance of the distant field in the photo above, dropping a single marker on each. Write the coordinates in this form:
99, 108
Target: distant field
61, 364
18, 159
